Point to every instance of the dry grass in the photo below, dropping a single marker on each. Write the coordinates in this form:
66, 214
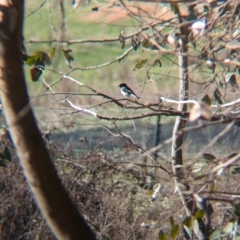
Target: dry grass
116, 203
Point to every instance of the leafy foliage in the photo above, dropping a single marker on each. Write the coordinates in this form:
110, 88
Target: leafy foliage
140, 64
68, 56
39, 59
162, 235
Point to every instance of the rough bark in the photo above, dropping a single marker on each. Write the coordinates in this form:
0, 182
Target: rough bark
180, 123
52, 198
183, 95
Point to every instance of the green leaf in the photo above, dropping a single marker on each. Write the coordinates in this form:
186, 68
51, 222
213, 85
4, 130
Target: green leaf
208, 156
196, 226
212, 187
136, 41
174, 232
7, 154
42, 57
235, 170
146, 43
2, 188
157, 62
210, 208
227, 228
237, 123
95, 8
206, 99
188, 221
162, 235
30, 60
140, 64
215, 235
231, 78
235, 228
199, 214
121, 39
232, 155
193, 42
237, 209
203, 54
2, 156
67, 55
38, 58
218, 96
36, 73
52, 52
187, 232
3, 163
222, 84
172, 221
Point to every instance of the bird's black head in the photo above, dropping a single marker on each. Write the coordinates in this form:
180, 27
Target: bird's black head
122, 85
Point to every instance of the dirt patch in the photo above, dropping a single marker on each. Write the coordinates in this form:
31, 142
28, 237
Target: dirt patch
114, 12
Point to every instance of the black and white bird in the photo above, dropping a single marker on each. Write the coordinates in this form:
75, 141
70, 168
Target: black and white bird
126, 91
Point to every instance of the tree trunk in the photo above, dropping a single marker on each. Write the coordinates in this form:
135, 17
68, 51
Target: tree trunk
52, 198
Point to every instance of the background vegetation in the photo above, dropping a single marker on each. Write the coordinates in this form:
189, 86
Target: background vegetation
123, 186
